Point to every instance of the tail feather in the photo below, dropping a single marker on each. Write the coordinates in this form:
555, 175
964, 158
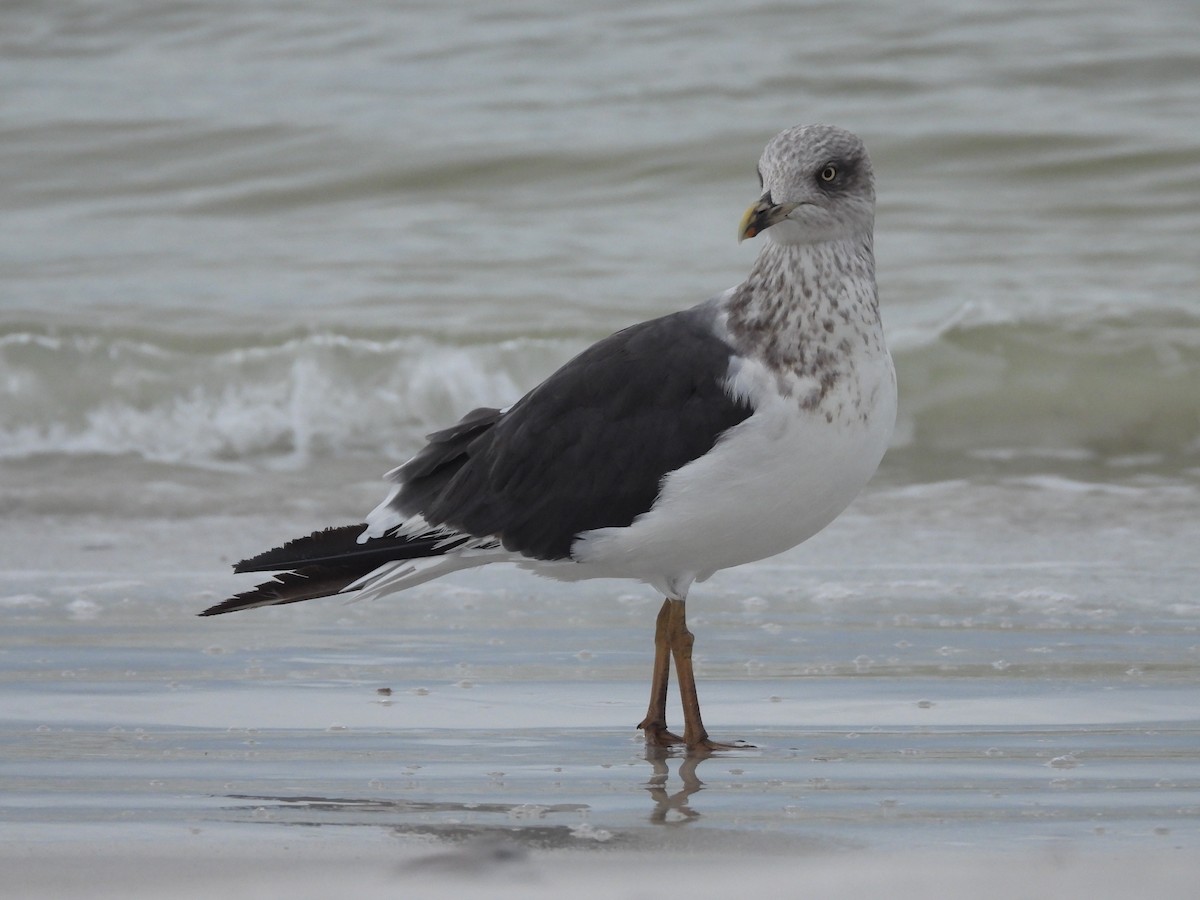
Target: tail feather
339, 547
306, 583
325, 563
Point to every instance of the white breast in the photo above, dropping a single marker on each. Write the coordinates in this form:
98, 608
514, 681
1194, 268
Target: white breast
770, 482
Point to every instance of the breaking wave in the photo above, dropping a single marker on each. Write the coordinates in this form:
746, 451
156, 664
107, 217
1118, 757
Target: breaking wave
979, 390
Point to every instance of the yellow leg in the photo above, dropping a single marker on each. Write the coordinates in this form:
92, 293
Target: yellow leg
680, 641
695, 736
655, 723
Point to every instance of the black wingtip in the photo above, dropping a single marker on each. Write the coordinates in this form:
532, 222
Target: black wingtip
325, 563
307, 583
215, 610
313, 549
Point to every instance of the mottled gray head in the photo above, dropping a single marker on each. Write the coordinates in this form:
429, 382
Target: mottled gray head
817, 186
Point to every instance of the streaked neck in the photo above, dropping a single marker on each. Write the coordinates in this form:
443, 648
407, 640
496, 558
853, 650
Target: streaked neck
800, 302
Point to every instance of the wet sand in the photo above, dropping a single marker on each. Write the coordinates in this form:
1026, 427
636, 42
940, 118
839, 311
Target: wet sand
924, 724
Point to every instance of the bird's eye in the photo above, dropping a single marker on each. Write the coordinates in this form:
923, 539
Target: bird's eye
829, 173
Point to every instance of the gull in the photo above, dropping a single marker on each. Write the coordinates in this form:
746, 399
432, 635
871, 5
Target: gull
704, 439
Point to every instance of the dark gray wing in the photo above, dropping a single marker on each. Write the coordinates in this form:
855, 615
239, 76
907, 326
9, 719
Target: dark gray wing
588, 448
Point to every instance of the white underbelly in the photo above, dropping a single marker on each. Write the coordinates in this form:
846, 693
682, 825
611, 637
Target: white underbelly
770, 483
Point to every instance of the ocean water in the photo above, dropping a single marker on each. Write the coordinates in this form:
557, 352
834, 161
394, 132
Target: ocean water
253, 252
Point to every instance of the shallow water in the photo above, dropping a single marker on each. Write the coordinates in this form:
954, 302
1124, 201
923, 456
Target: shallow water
253, 252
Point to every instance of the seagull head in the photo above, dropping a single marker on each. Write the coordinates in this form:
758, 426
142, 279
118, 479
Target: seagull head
817, 186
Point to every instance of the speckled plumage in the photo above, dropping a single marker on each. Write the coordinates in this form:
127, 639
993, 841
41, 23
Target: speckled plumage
807, 305
805, 310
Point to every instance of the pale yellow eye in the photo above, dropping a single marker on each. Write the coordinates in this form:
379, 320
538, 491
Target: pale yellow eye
829, 173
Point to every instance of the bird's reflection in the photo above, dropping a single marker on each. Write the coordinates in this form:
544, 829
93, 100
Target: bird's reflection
666, 803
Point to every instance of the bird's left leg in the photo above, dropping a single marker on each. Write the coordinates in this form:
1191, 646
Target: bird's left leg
655, 723
695, 736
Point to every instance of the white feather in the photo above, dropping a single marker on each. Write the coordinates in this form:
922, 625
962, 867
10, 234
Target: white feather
770, 483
